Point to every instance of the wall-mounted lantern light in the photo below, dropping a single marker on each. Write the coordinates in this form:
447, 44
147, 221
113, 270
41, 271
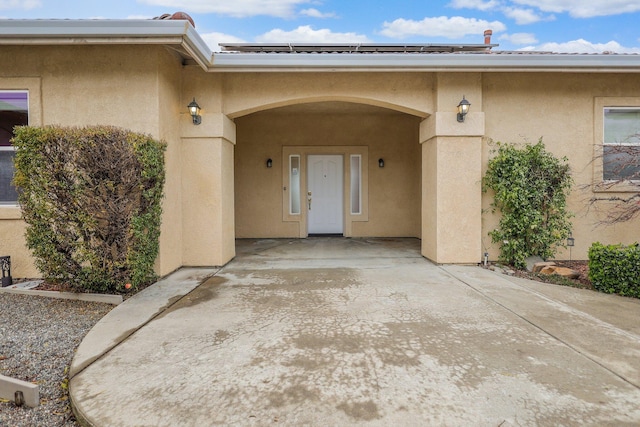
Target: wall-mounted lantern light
463, 109
269, 163
381, 163
194, 110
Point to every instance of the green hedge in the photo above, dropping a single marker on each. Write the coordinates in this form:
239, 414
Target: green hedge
615, 269
91, 198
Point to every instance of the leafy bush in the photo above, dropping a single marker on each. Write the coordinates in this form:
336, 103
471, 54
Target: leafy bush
615, 269
531, 187
91, 198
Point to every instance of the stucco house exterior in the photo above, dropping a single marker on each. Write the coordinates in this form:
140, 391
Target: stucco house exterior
297, 140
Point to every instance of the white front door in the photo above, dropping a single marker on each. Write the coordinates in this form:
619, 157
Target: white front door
324, 194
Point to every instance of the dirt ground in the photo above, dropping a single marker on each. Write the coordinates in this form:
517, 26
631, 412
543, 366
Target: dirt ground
581, 267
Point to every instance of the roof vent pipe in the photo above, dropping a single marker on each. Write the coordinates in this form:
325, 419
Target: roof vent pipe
487, 36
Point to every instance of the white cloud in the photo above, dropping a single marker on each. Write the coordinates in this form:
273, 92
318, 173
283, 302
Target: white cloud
315, 13
212, 40
525, 16
475, 4
235, 8
451, 27
306, 34
584, 8
583, 46
20, 4
519, 38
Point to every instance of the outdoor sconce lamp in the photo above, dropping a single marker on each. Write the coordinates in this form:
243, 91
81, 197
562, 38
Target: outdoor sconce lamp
194, 110
5, 265
463, 109
269, 163
380, 163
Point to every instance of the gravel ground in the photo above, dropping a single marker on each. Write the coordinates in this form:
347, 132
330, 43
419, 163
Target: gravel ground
38, 337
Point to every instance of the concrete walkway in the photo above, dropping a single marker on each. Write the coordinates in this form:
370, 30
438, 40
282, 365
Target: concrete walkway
333, 332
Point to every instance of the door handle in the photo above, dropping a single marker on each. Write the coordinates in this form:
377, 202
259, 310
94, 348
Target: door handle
309, 199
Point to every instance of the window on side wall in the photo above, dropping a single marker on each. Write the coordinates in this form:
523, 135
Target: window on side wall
621, 150
14, 111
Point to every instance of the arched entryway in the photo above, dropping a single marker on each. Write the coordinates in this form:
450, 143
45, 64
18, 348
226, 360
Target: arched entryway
278, 152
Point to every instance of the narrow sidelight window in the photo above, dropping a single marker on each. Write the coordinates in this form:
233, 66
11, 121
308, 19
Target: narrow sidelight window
294, 184
356, 184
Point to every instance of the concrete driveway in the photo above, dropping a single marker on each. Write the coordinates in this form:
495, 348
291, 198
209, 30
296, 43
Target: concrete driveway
359, 332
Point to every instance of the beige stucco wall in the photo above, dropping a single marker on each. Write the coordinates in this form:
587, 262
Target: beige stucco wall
127, 86
171, 112
208, 198
451, 165
339, 128
560, 108
208, 170
218, 186
451, 199
246, 93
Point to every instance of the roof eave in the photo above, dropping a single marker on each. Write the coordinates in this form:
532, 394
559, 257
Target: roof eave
126, 31
460, 62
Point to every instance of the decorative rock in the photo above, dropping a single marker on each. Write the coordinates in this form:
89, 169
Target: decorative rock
561, 271
567, 272
550, 269
540, 265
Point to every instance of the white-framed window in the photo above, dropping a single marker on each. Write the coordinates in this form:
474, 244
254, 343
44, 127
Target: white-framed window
621, 144
14, 111
356, 184
294, 184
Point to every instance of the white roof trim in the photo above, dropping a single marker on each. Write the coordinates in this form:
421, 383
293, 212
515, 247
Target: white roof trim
462, 62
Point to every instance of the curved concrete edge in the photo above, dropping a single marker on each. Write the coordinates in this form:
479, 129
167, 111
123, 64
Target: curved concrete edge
79, 296
130, 316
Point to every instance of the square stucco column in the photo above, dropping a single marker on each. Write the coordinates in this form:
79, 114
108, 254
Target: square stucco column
208, 227
451, 188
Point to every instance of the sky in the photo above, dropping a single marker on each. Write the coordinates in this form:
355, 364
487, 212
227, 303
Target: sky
581, 26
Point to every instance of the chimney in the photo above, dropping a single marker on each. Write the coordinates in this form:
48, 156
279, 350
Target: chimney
487, 36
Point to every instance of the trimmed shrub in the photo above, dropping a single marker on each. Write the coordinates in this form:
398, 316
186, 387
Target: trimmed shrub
615, 269
91, 198
530, 188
